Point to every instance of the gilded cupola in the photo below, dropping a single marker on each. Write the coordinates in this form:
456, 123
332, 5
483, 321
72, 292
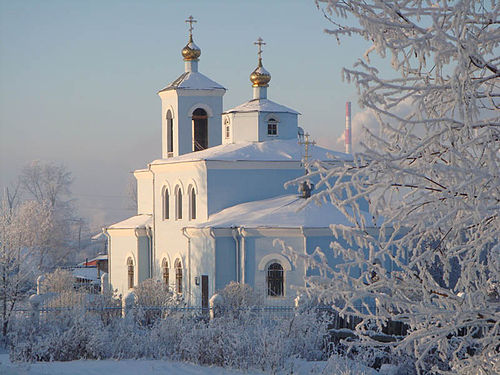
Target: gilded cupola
191, 51
260, 77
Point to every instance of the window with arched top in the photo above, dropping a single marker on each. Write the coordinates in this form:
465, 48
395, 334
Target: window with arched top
178, 203
272, 127
178, 276
166, 204
165, 271
170, 133
200, 129
192, 203
130, 273
275, 280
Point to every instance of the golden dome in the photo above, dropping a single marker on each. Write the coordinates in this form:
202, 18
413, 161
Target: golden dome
191, 51
260, 77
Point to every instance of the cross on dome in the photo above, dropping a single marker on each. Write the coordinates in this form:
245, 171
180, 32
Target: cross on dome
260, 43
191, 20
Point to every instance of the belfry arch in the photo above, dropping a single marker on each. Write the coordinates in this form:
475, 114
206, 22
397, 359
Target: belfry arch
200, 129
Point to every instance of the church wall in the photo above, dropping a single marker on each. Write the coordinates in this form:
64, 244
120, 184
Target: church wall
168, 102
287, 126
123, 245
244, 126
225, 262
260, 252
228, 187
144, 191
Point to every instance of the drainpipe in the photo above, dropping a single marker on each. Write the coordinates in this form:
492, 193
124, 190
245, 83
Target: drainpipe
153, 247
149, 234
234, 233
184, 233
212, 234
108, 236
241, 232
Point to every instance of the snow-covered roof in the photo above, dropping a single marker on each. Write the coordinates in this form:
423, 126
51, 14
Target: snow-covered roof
139, 221
193, 81
261, 105
287, 211
86, 273
275, 150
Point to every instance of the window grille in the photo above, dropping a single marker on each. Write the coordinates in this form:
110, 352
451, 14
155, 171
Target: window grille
272, 127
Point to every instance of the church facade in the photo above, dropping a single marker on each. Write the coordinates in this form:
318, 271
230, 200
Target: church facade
212, 207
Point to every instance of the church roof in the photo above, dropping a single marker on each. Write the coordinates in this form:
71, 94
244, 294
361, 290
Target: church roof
139, 221
287, 211
275, 150
261, 105
193, 81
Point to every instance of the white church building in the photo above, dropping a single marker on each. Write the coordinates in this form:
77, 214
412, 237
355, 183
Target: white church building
210, 209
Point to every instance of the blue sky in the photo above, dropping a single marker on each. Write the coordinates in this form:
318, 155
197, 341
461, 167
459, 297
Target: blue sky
78, 79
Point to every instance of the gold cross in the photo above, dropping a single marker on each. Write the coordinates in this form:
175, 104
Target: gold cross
191, 20
260, 43
306, 143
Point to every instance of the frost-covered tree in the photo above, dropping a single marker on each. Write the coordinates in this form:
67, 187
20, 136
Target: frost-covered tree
431, 177
26, 232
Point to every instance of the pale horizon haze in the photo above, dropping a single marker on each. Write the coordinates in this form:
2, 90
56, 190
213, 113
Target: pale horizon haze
79, 80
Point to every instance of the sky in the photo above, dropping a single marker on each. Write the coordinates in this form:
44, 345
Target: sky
79, 80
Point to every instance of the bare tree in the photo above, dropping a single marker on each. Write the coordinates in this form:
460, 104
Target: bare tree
431, 176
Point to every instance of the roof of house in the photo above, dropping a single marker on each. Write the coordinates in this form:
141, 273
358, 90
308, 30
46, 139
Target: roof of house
138, 221
261, 105
193, 81
275, 150
287, 211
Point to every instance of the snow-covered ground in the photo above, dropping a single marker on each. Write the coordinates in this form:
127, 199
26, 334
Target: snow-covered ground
157, 367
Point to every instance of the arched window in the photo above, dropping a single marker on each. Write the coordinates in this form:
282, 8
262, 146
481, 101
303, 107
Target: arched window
178, 276
192, 203
178, 203
227, 128
130, 272
170, 133
272, 127
166, 204
275, 280
164, 266
200, 129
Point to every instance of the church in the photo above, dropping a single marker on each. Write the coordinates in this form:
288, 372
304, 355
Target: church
210, 209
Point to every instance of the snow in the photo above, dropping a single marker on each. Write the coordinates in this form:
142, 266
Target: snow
193, 81
261, 105
86, 273
160, 367
287, 211
275, 150
139, 221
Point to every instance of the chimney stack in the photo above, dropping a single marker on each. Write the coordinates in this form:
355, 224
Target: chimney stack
347, 134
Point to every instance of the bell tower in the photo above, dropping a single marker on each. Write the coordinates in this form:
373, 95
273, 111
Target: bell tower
191, 107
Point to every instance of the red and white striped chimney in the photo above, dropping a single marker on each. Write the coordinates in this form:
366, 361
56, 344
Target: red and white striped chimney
347, 134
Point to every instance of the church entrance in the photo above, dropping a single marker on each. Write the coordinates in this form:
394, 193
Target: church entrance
200, 129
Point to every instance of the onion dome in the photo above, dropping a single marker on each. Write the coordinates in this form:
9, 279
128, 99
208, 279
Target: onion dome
260, 77
191, 51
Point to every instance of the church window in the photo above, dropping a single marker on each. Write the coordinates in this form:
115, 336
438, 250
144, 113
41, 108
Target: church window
178, 203
170, 134
192, 203
164, 266
228, 132
200, 129
166, 204
275, 280
272, 127
130, 273
178, 276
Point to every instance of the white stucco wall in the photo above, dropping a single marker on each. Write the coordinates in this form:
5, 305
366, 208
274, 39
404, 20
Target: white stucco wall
144, 179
